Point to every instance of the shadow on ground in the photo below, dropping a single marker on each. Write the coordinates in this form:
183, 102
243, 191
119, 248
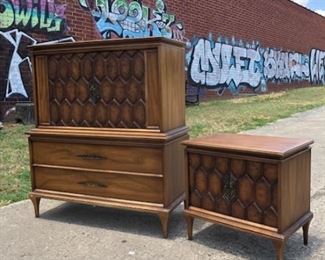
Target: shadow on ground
252, 247
117, 219
208, 235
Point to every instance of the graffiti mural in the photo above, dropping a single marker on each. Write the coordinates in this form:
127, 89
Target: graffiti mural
317, 66
234, 65
17, 42
217, 64
43, 15
127, 19
283, 67
18, 20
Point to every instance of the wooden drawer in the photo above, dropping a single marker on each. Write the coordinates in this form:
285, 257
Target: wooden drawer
122, 186
102, 157
235, 187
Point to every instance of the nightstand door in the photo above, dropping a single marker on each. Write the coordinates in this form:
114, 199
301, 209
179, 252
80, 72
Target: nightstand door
235, 186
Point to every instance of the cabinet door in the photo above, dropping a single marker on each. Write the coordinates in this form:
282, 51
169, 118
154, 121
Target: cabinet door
104, 89
235, 187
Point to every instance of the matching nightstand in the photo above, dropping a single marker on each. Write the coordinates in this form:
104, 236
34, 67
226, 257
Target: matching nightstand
255, 184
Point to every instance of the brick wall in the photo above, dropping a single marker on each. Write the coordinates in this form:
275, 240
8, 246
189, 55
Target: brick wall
283, 40
17, 34
278, 24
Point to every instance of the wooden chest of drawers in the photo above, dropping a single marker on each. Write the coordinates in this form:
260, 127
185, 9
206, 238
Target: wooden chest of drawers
255, 184
110, 122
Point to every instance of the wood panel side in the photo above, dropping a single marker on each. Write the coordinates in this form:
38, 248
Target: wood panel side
294, 192
42, 90
172, 77
31, 161
187, 179
153, 90
174, 176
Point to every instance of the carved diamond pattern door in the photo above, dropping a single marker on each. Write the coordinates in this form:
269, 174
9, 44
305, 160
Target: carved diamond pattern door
100, 89
238, 188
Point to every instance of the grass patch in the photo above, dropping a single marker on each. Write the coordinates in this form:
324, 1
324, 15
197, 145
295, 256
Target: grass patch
245, 113
14, 164
232, 115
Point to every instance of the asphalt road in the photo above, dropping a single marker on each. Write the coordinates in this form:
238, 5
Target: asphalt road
71, 231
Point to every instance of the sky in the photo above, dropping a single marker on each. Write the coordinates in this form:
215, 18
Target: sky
316, 5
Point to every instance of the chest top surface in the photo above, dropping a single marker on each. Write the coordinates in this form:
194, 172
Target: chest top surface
277, 147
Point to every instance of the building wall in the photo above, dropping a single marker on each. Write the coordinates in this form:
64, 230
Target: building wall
233, 46
24, 23
280, 24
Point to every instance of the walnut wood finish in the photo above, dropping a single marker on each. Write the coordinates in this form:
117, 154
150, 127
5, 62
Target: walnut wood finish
97, 89
265, 191
110, 122
239, 188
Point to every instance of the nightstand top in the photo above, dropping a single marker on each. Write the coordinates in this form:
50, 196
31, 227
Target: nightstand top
270, 146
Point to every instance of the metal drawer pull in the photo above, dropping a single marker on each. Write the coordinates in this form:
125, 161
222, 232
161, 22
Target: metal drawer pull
91, 157
93, 184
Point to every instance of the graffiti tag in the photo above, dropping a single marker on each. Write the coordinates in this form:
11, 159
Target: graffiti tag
233, 65
133, 20
19, 60
317, 66
41, 14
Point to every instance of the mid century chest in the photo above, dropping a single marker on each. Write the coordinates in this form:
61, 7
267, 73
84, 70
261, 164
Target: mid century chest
255, 184
110, 120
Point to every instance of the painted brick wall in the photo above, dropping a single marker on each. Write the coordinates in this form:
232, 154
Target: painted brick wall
16, 35
234, 46
278, 24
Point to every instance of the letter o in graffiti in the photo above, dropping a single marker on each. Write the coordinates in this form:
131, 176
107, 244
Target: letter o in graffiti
7, 15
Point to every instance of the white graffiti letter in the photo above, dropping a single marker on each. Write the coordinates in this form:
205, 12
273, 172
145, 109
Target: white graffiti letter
197, 72
254, 75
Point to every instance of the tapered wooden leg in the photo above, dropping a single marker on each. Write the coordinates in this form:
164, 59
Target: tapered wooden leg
305, 229
164, 220
279, 248
36, 202
189, 220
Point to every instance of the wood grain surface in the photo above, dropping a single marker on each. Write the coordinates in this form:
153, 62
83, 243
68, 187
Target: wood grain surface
268, 146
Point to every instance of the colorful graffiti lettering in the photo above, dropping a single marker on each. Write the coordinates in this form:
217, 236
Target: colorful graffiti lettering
19, 61
133, 20
41, 14
317, 66
233, 65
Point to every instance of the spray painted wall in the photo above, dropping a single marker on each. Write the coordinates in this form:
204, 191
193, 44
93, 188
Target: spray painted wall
132, 19
235, 65
224, 64
28, 22
278, 46
44, 15
18, 21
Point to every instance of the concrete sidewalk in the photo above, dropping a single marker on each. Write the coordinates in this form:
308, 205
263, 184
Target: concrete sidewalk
70, 231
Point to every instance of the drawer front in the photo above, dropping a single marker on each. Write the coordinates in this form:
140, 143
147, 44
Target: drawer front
103, 157
234, 187
121, 186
